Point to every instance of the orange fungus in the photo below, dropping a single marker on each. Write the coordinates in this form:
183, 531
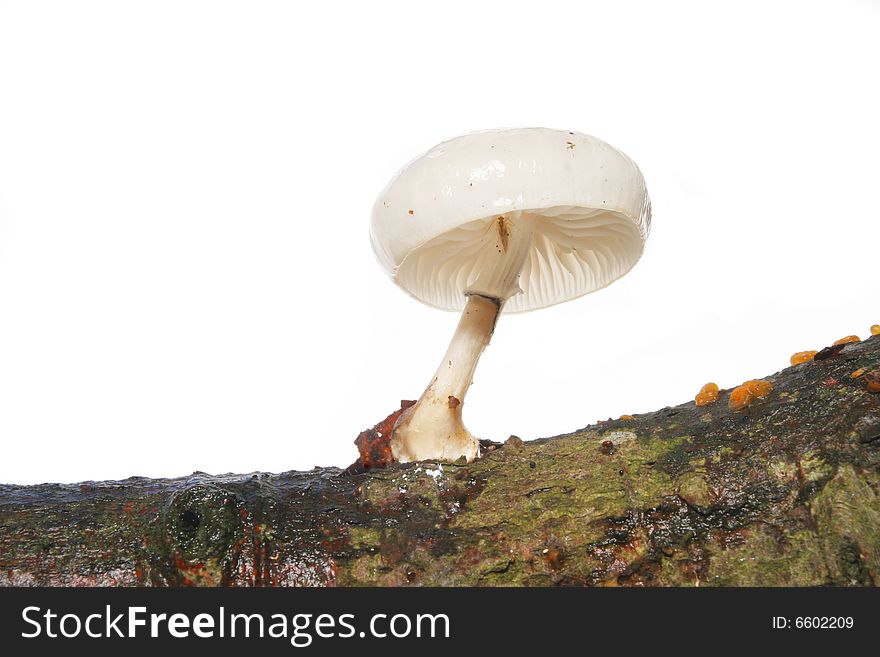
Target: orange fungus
708, 394
740, 397
847, 339
758, 388
802, 357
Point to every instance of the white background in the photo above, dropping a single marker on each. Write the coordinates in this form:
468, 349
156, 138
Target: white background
186, 281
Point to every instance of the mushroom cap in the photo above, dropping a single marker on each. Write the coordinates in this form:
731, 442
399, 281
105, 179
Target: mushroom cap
588, 201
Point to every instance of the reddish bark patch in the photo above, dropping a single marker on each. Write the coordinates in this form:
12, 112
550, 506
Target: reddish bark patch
374, 445
553, 557
192, 573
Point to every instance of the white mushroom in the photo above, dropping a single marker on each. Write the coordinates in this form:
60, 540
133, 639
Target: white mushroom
502, 220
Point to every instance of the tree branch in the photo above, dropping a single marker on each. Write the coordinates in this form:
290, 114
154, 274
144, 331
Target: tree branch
784, 492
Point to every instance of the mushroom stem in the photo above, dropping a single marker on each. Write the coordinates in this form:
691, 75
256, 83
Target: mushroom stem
433, 428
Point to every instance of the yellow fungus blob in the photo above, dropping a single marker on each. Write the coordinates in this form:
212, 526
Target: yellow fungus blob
858, 373
759, 388
802, 357
740, 397
708, 394
875, 329
872, 381
627, 417
846, 340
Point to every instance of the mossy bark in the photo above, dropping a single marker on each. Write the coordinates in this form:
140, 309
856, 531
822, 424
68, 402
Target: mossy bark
785, 492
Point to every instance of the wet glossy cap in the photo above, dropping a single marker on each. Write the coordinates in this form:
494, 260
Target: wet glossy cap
587, 203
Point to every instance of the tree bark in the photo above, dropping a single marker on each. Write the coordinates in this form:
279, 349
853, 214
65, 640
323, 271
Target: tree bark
783, 492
